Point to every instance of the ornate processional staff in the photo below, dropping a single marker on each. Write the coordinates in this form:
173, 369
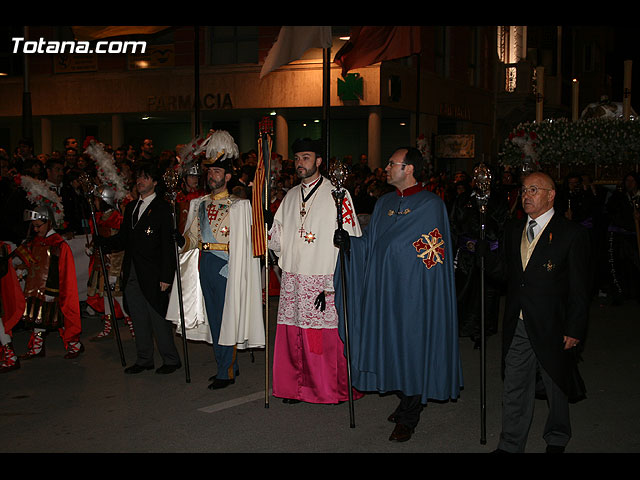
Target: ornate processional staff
482, 177
90, 190
338, 174
172, 180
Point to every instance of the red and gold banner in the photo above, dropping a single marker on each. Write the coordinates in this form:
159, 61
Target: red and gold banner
258, 201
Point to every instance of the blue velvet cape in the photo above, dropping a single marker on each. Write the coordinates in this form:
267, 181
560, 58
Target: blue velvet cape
402, 314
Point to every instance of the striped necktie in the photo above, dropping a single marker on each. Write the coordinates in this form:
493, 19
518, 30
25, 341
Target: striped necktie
532, 223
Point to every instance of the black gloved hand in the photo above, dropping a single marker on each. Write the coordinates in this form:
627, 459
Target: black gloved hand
341, 240
178, 238
268, 218
320, 302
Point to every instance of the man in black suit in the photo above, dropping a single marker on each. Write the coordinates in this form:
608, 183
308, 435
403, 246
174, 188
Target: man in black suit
148, 269
545, 316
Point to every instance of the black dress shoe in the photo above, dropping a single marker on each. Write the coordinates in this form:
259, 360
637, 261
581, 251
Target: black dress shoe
499, 450
219, 383
555, 449
213, 377
168, 368
290, 400
135, 368
401, 433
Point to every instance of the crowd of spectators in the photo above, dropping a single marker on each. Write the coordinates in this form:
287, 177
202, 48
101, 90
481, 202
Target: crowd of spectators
610, 214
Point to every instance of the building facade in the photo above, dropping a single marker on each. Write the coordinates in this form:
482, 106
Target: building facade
459, 96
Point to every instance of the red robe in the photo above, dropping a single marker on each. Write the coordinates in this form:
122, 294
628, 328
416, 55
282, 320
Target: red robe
183, 200
13, 301
113, 222
68, 296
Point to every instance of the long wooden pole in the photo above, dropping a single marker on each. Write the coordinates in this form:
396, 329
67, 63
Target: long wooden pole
107, 286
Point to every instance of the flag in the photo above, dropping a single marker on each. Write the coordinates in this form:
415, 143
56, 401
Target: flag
369, 45
88, 33
292, 43
258, 200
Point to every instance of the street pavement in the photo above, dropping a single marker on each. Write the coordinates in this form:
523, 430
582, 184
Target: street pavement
88, 405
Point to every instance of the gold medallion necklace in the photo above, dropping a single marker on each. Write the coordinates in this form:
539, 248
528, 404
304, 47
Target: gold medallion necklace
308, 237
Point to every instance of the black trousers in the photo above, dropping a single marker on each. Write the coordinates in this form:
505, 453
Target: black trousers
147, 323
409, 409
518, 398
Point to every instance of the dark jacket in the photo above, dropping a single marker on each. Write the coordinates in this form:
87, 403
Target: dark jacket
552, 293
150, 248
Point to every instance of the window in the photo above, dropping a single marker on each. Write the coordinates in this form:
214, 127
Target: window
231, 45
442, 47
512, 45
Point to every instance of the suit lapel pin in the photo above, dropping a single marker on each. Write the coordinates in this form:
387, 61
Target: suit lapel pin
148, 231
549, 266
550, 237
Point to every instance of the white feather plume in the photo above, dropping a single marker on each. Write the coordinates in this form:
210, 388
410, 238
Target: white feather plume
107, 171
38, 193
219, 145
187, 154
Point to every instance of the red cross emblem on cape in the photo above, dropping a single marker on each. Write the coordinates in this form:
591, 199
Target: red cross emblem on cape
430, 248
347, 212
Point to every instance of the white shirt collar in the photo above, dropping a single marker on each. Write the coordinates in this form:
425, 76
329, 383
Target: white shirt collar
147, 200
311, 184
541, 221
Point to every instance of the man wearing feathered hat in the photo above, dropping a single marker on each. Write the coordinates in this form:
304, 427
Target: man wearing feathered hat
190, 184
108, 217
219, 226
51, 288
108, 221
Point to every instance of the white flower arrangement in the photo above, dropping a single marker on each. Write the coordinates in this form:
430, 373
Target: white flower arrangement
602, 141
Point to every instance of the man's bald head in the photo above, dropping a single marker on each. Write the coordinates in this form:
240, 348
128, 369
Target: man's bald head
535, 204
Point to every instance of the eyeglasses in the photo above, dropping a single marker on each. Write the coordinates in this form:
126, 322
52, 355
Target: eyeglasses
532, 190
391, 164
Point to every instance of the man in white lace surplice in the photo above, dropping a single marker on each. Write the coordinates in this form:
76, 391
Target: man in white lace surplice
309, 362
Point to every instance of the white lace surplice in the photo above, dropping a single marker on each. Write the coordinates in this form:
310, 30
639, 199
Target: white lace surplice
307, 267
297, 296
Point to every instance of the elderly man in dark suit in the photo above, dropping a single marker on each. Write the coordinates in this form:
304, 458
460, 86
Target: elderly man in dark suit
148, 269
545, 319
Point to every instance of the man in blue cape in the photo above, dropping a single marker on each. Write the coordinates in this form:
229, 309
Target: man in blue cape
401, 297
